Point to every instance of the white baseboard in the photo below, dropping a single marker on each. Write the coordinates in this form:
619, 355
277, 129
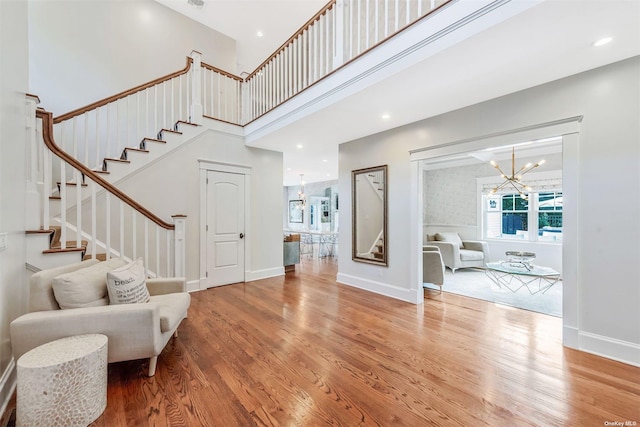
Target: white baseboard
611, 348
571, 337
193, 285
7, 385
403, 294
250, 276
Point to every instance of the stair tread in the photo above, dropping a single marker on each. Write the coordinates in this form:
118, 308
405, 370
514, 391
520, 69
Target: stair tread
54, 251
100, 171
142, 150
155, 140
111, 159
41, 231
182, 122
70, 244
172, 131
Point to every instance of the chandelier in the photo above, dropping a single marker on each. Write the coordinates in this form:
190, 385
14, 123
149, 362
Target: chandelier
301, 194
515, 180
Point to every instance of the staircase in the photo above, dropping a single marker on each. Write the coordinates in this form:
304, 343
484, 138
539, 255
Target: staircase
62, 211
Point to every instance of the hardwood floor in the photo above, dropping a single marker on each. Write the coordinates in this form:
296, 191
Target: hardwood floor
302, 350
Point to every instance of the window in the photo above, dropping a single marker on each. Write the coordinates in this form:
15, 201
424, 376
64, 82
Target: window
537, 218
549, 216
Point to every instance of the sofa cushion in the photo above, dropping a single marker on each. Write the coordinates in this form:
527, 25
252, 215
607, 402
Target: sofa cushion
41, 297
449, 237
469, 255
86, 287
126, 284
173, 308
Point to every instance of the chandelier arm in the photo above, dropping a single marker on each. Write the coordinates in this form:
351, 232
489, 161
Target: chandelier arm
501, 185
500, 170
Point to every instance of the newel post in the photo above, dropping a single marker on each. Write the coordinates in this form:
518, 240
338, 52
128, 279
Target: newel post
195, 110
32, 220
179, 245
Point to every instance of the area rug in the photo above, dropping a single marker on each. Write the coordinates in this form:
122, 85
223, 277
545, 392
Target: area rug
472, 282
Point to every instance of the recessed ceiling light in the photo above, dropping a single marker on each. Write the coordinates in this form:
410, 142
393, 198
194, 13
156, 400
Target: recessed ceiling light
602, 41
325, 160
259, 34
386, 116
288, 169
299, 146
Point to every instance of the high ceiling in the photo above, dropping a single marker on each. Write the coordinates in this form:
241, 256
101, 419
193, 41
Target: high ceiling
241, 20
548, 41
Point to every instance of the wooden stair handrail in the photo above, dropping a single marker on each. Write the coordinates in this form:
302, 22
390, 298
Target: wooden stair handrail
219, 71
121, 95
47, 135
301, 30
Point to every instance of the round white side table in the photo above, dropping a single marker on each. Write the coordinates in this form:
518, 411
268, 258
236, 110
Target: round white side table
63, 383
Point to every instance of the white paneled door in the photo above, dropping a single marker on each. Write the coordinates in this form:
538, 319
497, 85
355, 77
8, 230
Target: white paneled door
225, 228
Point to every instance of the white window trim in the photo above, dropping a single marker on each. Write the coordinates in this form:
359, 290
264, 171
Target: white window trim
532, 219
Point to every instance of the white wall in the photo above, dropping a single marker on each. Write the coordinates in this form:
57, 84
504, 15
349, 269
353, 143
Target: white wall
601, 315
84, 51
14, 68
172, 186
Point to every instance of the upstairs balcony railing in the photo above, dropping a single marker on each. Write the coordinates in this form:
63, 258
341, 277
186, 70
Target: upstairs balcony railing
339, 33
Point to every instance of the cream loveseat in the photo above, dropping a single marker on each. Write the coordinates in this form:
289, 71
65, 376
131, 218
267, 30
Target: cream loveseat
458, 253
135, 331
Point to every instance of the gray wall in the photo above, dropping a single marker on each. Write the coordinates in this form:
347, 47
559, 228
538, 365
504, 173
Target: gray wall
83, 51
603, 318
450, 194
14, 69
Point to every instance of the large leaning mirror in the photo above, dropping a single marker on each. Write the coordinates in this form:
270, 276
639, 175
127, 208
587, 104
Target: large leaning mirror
369, 188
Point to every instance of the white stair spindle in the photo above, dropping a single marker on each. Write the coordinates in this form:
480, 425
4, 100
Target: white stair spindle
147, 112
157, 227
118, 147
397, 15
94, 225
74, 140
86, 138
78, 178
212, 94
121, 227
109, 149
134, 237
146, 247
46, 190
163, 122
179, 99
138, 115
168, 260
63, 205
386, 18
97, 143
172, 119
107, 240
155, 111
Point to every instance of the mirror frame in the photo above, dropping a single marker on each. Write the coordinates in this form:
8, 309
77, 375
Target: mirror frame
385, 202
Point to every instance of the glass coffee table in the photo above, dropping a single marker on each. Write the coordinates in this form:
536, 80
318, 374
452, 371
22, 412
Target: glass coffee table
514, 275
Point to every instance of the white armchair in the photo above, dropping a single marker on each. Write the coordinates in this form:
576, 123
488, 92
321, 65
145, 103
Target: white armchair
458, 253
432, 266
134, 331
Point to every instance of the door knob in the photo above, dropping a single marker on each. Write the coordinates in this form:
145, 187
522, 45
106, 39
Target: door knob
242, 235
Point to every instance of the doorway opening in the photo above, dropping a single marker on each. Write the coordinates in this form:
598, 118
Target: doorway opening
517, 231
